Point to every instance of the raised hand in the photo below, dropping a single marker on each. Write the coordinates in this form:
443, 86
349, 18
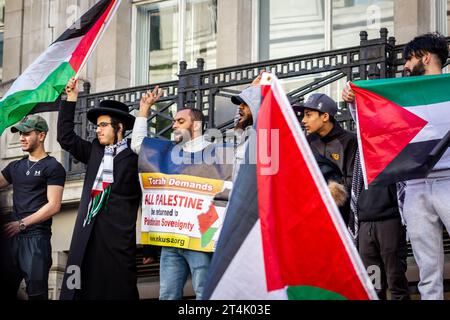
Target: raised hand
148, 99
72, 90
257, 80
348, 95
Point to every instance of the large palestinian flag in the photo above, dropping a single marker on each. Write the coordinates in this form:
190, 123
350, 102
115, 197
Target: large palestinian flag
403, 126
284, 239
45, 79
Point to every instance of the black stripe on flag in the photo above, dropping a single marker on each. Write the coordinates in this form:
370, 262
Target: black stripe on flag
46, 106
241, 216
86, 21
415, 161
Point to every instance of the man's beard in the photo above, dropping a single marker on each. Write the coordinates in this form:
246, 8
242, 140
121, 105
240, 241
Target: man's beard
32, 146
418, 69
245, 123
182, 135
30, 149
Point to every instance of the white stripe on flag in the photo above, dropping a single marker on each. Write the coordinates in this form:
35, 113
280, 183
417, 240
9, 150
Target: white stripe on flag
438, 117
245, 277
43, 66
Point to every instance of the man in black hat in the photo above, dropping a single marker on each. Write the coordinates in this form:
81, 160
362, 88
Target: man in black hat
330, 141
38, 182
101, 262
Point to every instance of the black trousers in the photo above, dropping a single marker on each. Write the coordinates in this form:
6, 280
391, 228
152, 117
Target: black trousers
26, 257
383, 250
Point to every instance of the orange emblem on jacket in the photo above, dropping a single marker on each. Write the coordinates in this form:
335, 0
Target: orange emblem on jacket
335, 156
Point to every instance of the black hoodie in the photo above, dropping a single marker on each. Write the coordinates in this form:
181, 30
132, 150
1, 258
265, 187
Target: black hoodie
378, 203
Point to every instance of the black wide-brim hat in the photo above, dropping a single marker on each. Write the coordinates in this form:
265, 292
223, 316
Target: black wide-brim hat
114, 109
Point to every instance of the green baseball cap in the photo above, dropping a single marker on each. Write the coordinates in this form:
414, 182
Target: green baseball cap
30, 123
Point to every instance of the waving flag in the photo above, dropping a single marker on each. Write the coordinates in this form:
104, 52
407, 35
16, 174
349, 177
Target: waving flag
283, 236
403, 126
45, 79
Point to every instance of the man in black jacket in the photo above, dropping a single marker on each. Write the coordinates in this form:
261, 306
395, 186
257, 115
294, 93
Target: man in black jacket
329, 140
102, 257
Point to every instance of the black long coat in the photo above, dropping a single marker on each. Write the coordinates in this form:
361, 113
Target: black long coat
104, 250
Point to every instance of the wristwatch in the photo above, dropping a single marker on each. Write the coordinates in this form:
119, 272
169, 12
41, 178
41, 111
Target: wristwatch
22, 225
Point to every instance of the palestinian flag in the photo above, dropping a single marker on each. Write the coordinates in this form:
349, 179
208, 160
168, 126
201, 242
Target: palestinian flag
403, 126
284, 239
45, 79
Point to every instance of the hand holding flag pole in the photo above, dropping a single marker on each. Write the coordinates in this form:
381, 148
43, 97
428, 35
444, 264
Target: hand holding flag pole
72, 89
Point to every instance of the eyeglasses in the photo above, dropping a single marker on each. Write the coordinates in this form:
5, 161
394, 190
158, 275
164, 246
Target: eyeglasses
101, 125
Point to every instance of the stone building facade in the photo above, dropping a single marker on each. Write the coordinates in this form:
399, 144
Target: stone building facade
146, 40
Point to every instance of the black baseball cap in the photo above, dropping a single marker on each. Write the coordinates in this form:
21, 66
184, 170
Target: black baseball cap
320, 102
237, 100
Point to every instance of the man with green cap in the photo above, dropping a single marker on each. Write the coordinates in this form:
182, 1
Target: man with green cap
38, 182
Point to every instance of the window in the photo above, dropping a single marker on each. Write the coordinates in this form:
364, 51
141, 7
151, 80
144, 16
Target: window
201, 32
291, 27
295, 27
162, 40
352, 16
157, 39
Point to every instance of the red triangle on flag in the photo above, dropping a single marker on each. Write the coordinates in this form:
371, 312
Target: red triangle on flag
385, 129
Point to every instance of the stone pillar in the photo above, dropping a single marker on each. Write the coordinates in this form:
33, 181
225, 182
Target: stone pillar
12, 39
234, 32
411, 18
448, 17
114, 72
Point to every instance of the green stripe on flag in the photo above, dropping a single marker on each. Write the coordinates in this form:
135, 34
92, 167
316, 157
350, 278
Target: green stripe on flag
411, 91
19, 104
207, 236
312, 293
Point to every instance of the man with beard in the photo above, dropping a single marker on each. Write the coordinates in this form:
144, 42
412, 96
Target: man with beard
425, 207
38, 183
176, 263
248, 102
103, 248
